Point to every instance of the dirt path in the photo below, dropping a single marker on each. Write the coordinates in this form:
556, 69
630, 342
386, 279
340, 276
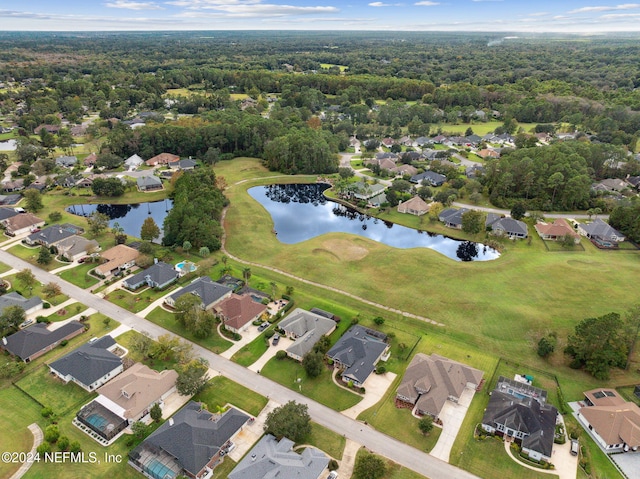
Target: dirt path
223, 248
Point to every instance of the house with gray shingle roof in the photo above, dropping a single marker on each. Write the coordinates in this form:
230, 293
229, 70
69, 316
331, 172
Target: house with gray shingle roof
452, 218
506, 226
364, 191
91, 365
30, 305
158, 275
357, 352
6, 213
271, 458
205, 288
149, 183
188, 444
31, 343
430, 381
75, 247
66, 161
430, 177
306, 329
601, 233
50, 235
133, 162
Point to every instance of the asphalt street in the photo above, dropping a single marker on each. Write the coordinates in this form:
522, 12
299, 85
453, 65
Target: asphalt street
373, 440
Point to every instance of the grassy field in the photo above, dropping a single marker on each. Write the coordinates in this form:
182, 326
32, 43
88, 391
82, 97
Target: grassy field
136, 302
322, 389
80, 276
326, 440
36, 291
480, 128
30, 254
4, 268
220, 391
329, 65
163, 318
250, 353
393, 470
66, 312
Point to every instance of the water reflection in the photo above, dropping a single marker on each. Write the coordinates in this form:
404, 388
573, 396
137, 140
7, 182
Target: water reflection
301, 212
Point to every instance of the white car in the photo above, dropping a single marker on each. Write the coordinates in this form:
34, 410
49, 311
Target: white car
332, 475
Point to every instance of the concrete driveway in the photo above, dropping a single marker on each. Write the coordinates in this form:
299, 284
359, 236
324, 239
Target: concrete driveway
250, 433
376, 387
452, 416
249, 332
283, 344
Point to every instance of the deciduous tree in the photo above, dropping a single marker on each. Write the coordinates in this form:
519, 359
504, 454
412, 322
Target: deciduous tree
192, 377
291, 420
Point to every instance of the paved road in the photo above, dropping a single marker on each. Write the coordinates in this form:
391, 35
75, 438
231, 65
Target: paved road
384, 445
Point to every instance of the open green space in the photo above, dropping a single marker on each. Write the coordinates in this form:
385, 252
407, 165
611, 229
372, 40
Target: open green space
220, 391
326, 440
136, 302
4, 268
480, 128
66, 312
79, 275
394, 471
164, 318
223, 470
30, 254
35, 291
51, 391
291, 374
17, 411
329, 65
251, 352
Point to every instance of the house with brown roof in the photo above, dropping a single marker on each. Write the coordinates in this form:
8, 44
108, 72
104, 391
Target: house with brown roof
415, 206
237, 311
611, 420
556, 231
404, 170
118, 258
22, 223
90, 160
75, 247
430, 381
488, 153
162, 159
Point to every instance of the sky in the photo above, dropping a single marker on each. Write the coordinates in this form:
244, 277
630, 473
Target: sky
527, 16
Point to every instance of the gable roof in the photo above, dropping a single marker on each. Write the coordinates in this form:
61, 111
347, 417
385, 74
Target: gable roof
452, 216
16, 299
162, 159
433, 178
599, 229
416, 204
307, 327
89, 362
50, 235
271, 458
74, 245
558, 228
432, 379
148, 180
137, 388
117, 256
6, 213
359, 349
536, 421
133, 160
159, 273
194, 435
29, 341
508, 225
205, 288
21, 221
239, 310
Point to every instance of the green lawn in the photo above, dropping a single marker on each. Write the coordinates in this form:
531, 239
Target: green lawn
136, 302
52, 392
214, 343
17, 411
66, 312
126, 340
326, 440
321, 389
4, 268
394, 471
480, 128
80, 276
220, 391
251, 352
30, 254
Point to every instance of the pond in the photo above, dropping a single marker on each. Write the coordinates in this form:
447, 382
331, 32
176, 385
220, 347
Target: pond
129, 217
301, 212
9, 145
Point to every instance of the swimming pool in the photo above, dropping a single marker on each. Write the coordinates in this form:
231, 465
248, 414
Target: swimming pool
185, 267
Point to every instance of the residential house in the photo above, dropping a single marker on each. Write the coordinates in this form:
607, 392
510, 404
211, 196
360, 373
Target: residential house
415, 206
10, 200
118, 258
183, 165
53, 129
149, 183
32, 342
388, 142
248, 103
6, 213
474, 171
403, 170
601, 234
22, 223
473, 140
236, 311
365, 191
430, 381
488, 153
556, 231
75, 247
611, 420
158, 275
189, 444
87, 181
13, 185
508, 227
306, 329
66, 161
384, 163
90, 160
452, 218
204, 288
358, 352
530, 422
377, 200
634, 182
271, 458
91, 365
126, 399
406, 141
430, 177
162, 159
133, 162
50, 235
30, 305
610, 184
66, 181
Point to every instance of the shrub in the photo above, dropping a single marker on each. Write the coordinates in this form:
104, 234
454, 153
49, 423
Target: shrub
268, 334
381, 369
64, 342
63, 443
43, 448
333, 465
51, 433
46, 412
281, 354
42, 319
46, 305
75, 446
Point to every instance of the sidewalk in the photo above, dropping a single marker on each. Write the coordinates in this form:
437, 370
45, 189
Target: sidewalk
37, 440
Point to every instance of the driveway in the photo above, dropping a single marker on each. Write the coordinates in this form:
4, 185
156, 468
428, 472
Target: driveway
282, 345
376, 387
249, 332
250, 434
373, 440
452, 415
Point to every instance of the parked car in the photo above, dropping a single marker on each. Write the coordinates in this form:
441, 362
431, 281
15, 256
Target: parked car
332, 475
276, 339
263, 326
575, 447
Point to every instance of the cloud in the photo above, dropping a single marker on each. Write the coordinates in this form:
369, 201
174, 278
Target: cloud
256, 10
379, 4
607, 8
426, 4
133, 5
538, 14
477, 1
613, 16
